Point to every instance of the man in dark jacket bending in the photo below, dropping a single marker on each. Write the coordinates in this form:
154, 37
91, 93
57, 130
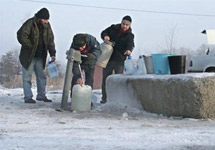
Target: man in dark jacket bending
90, 50
123, 38
37, 39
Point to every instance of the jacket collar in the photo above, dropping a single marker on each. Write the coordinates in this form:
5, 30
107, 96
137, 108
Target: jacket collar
118, 26
35, 22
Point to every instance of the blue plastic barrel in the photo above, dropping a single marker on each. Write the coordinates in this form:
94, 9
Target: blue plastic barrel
161, 63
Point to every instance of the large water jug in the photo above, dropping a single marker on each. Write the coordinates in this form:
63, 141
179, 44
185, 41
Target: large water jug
52, 70
107, 49
81, 98
141, 67
129, 66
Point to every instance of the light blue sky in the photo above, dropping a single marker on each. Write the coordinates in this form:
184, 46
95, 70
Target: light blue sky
150, 29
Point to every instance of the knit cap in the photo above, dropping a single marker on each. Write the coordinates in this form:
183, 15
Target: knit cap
127, 20
43, 14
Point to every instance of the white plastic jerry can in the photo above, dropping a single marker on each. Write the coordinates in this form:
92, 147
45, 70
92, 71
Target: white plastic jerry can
52, 70
141, 67
129, 66
107, 50
81, 98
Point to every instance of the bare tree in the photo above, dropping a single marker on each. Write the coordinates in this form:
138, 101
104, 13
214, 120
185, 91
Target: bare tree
6, 65
9, 65
170, 39
17, 64
202, 50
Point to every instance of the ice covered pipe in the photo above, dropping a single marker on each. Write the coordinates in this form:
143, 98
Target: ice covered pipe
72, 55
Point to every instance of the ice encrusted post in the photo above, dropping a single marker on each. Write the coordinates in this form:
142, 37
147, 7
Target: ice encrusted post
186, 95
72, 55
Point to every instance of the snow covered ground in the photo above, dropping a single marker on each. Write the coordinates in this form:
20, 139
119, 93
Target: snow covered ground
40, 127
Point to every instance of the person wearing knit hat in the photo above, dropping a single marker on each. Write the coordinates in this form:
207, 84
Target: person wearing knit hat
121, 34
37, 40
127, 20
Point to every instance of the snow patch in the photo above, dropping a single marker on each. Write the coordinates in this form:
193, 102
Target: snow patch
38, 126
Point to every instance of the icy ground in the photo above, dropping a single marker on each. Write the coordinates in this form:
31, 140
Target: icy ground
40, 127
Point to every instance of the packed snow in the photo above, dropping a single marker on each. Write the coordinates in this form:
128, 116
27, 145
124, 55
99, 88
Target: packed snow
40, 127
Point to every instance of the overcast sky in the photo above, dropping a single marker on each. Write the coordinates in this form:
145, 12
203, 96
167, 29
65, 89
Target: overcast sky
151, 29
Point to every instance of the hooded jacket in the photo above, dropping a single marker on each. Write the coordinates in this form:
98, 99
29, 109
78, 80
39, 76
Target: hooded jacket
28, 37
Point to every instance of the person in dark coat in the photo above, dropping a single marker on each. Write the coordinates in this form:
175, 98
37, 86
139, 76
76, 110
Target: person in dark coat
90, 50
122, 36
36, 39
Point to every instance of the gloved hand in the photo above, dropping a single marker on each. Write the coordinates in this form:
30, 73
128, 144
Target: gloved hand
91, 56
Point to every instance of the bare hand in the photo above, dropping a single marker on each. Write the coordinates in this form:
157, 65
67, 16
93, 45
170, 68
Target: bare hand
127, 52
53, 58
80, 81
107, 38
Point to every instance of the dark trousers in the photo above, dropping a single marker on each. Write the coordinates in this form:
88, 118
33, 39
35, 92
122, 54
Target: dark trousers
112, 66
89, 74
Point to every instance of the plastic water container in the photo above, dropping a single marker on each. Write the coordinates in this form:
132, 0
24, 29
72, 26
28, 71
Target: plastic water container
107, 50
141, 67
81, 98
149, 64
161, 63
52, 70
129, 66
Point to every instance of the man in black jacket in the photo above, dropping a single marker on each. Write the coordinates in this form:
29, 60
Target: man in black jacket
122, 36
37, 39
90, 50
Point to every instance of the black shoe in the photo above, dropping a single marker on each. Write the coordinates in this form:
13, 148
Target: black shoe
103, 101
44, 99
30, 101
92, 105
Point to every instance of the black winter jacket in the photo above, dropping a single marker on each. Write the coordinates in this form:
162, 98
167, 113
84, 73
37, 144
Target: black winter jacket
123, 41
